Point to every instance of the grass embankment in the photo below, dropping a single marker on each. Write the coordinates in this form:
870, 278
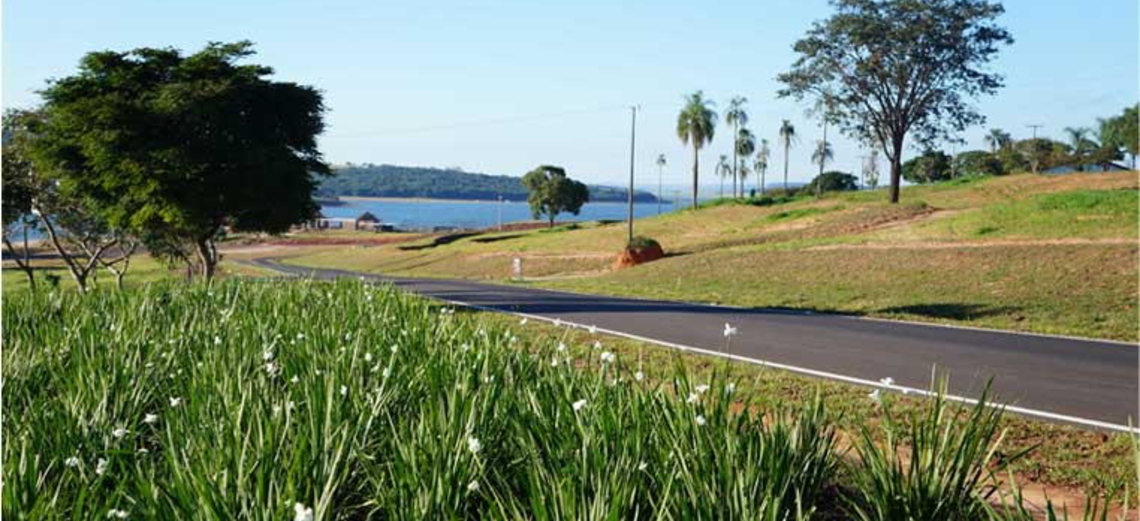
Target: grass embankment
1049, 254
251, 400
143, 270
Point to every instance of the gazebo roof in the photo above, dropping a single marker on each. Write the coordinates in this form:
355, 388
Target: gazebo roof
367, 217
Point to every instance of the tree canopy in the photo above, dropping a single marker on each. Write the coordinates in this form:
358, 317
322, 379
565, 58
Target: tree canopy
552, 193
832, 181
177, 147
931, 166
899, 68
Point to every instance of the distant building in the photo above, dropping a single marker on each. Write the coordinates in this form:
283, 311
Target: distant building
1091, 168
366, 221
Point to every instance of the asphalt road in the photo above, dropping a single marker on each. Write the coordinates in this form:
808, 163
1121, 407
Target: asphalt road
1062, 379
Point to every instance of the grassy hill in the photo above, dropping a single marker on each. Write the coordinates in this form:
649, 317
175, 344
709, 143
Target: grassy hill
443, 183
1051, 254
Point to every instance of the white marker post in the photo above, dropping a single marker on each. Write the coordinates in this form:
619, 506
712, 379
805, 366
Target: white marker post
516, 269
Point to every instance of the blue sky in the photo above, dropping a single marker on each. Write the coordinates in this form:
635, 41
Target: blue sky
502, 86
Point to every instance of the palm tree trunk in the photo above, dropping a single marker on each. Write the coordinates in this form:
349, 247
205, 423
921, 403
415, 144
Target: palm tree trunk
696, 170
735, 132
786, 144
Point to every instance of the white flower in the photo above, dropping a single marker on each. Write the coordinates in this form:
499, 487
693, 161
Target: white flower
473, 486
693, 398
267, 355
175, 401
272, 369
344, 390
888, 381
368, 357
120, 432
217, 340
642, 466
592, 329
701, 420
302, 513
117, 514
300, 336
597, 345
143, 450
639, 376
730, 388
554, 362
71, 462
295, 379
474, 445
561, 347
394, 348
387, 372
578, 405
150, 418
876, 396
101, 466
523, 321
608, 357
729, 330
702, 388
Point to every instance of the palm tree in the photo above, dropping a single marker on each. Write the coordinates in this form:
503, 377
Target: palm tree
761, 162
745, 146
735, 117
998, 139
723, 171
696, 125
822, 155
787, 137
660, 169
1081, 143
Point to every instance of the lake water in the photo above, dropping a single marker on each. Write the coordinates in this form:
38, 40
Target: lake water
423, 214
428, 214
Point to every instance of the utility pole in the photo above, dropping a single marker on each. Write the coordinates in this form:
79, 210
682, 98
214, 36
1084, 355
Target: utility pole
632, 142
1033, 160
500, 212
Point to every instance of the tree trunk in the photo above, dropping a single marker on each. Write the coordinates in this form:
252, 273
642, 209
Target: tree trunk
896, 168
696, 170
735, 136
822, 160
77, 272
209, 257
762, 172
786, 144
23, 263
552, 220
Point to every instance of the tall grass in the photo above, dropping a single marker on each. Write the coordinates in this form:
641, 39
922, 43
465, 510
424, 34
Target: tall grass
249, 400
245, 399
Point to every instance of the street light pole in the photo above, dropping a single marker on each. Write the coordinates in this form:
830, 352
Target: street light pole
632, 141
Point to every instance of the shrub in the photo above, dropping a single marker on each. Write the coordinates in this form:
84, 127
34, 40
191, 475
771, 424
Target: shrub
832, 182
640, 242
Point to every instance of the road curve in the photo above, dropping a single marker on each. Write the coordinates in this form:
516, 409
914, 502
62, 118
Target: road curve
1068, 380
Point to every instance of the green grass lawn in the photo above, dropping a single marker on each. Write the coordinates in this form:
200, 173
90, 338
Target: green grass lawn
259, 400
1047, 254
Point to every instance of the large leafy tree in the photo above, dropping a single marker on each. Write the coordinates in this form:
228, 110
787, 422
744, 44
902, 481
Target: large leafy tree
932, 166
696, 125
178, 148
899, 68
1120, 132
552, 193
18, 188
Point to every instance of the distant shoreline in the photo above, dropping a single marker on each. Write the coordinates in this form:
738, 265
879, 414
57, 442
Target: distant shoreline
349, 198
